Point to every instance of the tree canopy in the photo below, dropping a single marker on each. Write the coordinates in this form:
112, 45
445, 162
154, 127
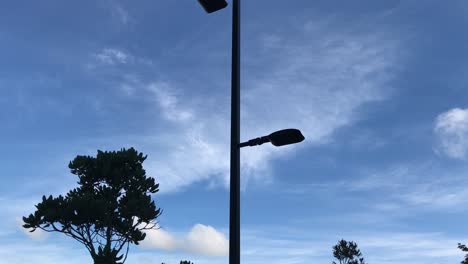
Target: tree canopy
109, 210
347, 253
464, 249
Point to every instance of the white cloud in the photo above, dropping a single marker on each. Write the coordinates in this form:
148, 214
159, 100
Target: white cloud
398, 191
12, 214
316, 80
38, 234
168, 103
41, 253
451, 128
316, 84
110, 56
411, 248
202, 240
271, 41
286, 245
119, 13
413, 187
161, 239
207, 241
273, 244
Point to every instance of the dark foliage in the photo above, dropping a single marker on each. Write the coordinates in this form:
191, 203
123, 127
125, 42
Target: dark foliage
185, 262
108, 211
464, 249
347, 253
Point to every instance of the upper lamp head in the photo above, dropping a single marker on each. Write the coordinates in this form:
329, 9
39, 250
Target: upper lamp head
211, 6
286, 137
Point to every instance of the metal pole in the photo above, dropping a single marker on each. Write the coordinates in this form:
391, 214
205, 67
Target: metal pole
234, 209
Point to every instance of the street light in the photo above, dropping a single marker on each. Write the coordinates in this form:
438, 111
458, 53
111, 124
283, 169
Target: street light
211, 6
279, 138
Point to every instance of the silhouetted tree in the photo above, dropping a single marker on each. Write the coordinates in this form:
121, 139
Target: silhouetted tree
185, 262
464, 249
108, 211
347, 253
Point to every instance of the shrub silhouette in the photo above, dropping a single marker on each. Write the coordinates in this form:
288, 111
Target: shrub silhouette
347, 253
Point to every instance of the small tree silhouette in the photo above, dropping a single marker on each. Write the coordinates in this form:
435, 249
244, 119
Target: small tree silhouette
347, 253
185, 262
108, 211
464, 249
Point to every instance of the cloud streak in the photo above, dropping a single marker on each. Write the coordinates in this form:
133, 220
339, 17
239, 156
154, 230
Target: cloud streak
427, 186
112, 56
451, 129
317, 84
286, 245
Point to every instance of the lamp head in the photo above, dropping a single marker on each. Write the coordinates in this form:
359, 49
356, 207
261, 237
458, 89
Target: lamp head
211, 6
286, 137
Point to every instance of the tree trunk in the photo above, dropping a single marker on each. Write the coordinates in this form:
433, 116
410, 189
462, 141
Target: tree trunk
104, 260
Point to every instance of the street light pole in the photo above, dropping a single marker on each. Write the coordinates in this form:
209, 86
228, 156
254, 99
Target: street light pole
234, 201
278, 138
211, 6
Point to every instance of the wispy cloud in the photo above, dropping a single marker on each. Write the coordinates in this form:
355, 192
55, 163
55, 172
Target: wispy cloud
168, 103
451, 129
38, 234
112, 56
427, 186
408, 247
266, 244
41, 253
283, 245
119, 13
315, 81
398, 191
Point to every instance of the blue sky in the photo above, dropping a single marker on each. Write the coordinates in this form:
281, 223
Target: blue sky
378, 88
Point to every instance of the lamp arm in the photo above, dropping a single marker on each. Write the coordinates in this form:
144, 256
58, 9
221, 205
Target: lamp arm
254, 142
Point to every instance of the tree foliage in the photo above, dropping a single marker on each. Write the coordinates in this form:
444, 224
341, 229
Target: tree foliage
347, 253
464, 249
109, 210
